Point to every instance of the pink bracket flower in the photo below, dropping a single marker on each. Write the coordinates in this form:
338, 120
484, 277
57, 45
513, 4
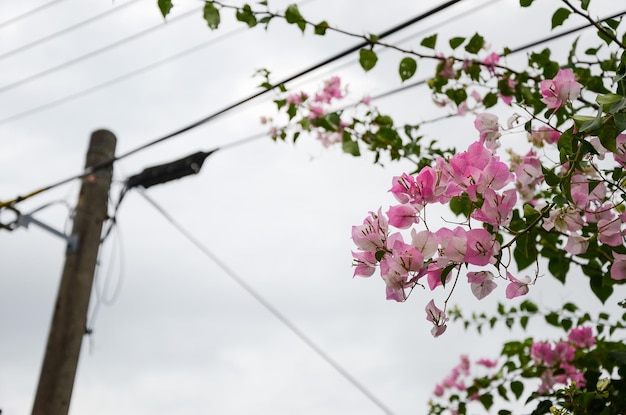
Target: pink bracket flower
437, 317
561, 89
517, 288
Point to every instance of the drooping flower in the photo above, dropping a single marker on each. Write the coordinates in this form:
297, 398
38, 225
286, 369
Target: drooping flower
489, 129
437, 317
365, 263
481, 283
576, 244
517, 288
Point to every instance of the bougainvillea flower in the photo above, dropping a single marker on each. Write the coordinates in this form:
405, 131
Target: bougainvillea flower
517, 288
437, 317
561, 89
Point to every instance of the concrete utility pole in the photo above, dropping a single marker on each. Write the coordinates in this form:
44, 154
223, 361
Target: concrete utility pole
70, 312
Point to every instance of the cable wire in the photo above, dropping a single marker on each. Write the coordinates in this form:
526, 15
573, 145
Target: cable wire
93, 53
444, 22
120, 78
85, 173
239, 103
28, 13
267, 305
66, 30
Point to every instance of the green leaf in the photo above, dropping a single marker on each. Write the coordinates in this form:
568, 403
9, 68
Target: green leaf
292, 110
560, 16
584, 4
528, 306
558, 267
570, 307
523, 321
607, 135
592, 124
530, 213
211, 15
596, 281
617, 106
349, 146
517, 388
501, 309
367, 59
461, 205
165, 6
379, 255
606, 34
552, 319
475, 44
525, 3
503, 392
620, 122
321, 27
457, 95
407, 69
245, 15
613, 24
487, 400
490, 99
550, 176
455, 42
430, 41
293, 16
566, 323
604, 99
446, 271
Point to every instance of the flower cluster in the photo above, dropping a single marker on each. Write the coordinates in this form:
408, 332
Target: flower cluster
460, 376
476, 173
315, 112
556, 359
492, 190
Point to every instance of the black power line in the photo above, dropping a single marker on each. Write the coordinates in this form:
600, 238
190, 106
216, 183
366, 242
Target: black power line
250, 98
239, 103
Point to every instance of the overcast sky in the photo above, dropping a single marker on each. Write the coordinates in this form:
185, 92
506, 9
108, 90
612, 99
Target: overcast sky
182, 337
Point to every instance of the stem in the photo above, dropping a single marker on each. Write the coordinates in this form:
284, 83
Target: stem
456, 279
594, 23
529, 227
371, 40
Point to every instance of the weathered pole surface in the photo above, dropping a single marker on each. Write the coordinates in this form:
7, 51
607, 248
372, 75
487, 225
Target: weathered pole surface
69, 320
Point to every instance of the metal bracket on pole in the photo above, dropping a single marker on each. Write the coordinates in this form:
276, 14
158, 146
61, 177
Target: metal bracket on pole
26, 219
